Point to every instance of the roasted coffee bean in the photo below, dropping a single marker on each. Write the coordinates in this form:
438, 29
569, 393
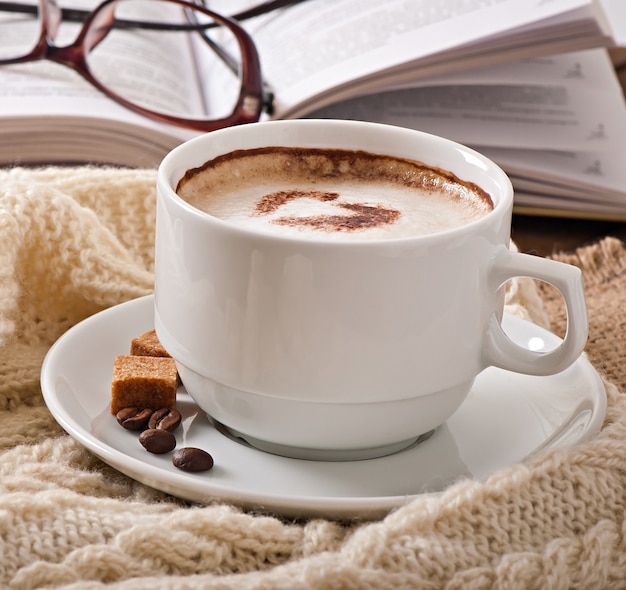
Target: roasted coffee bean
192, 459
134, 418
157, 441
165, 419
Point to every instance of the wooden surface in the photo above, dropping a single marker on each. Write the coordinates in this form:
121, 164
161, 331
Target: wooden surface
546, 235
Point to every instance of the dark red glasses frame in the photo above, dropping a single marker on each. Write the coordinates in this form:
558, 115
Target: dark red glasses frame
101, 20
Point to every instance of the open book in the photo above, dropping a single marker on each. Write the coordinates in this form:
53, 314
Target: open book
519, 80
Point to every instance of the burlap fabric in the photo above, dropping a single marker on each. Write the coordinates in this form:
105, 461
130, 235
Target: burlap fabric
74, 241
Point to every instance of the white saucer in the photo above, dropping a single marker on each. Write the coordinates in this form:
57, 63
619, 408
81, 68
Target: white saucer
507, 418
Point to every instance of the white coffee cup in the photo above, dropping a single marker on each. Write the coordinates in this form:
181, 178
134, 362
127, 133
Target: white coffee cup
329, 349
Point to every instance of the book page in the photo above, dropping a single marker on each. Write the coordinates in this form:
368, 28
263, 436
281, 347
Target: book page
63, 140
592, 175
565, 102
331, 44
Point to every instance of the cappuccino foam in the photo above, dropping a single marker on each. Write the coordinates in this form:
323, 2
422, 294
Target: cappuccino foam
332, 194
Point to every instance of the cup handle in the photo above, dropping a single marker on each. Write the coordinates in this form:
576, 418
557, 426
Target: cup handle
501, 351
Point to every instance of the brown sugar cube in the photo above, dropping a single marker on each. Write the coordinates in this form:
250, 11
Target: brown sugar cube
143, 382
147, 344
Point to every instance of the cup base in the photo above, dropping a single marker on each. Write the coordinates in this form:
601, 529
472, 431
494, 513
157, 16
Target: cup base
310, 454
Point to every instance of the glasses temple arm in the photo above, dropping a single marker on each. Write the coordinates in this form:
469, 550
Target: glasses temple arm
257, 10
264, 8
78, 15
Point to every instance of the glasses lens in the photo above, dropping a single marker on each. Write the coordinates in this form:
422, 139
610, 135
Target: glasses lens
160, 55
20, 27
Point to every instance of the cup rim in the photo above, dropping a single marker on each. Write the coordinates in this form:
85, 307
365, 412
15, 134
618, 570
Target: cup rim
170, 172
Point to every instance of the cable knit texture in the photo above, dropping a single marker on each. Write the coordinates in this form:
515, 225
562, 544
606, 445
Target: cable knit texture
74, 241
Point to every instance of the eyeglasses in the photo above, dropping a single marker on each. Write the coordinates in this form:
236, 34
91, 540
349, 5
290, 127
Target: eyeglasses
136, 52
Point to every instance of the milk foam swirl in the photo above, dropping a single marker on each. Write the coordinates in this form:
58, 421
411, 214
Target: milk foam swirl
332, 194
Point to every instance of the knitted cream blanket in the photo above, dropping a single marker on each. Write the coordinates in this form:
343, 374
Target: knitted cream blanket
74, 241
